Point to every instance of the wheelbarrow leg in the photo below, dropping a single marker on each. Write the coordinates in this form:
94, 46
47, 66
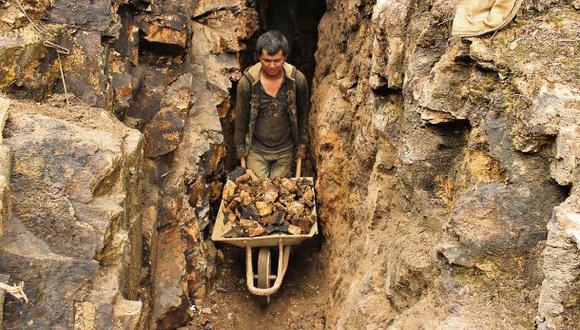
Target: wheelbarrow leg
283, 257
264, 269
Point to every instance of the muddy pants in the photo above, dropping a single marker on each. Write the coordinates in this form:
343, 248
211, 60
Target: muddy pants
271, 165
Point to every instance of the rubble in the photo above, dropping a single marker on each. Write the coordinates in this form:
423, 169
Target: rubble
254, 207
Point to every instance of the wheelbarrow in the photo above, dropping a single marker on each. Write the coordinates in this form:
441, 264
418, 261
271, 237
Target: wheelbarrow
260, 284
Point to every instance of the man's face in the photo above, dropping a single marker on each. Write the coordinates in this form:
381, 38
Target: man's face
272, 64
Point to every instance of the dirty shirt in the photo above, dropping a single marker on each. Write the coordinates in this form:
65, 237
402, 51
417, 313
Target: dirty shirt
273, 131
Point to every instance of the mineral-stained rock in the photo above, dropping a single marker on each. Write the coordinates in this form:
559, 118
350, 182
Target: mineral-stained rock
490, 218
264, 208
169, 269
308, 198
85, 71
163, 134
16, 52
235, 174
273, 229
289, 184
168, 29
256, 231
270, 192
294, 230
295, 209
271, 210
229, 227
249, 213
229, 189
77, 202
245, 198
123, 89
89, 14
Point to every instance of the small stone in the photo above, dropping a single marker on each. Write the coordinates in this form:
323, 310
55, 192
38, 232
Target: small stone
264, 208
206, 310
236, 173
308, 197
229, 190
229, 227
294, 230
249, 213
253, 232
295, 209
272, 229
288, 184
245, 198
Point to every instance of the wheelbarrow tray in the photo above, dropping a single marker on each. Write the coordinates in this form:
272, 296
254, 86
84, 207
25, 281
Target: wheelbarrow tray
265, 240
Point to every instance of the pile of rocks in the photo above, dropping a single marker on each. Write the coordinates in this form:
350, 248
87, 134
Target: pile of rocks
253, 206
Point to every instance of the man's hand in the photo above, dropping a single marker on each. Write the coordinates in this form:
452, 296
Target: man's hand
300, 153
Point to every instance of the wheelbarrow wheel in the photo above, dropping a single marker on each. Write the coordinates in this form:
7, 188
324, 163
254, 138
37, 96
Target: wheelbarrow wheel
264, 268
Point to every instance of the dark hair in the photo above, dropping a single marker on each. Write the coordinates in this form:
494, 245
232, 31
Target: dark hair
272, 41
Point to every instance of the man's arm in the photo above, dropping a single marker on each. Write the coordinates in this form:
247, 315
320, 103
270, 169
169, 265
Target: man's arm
243, 95
303, 105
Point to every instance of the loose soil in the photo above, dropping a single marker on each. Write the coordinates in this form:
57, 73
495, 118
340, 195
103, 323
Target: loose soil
298, 304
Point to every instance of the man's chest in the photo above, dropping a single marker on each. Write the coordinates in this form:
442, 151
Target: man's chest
272, 87
272, 106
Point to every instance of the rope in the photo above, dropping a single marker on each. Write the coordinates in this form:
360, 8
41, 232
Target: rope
37, 27
17, 290
47, 43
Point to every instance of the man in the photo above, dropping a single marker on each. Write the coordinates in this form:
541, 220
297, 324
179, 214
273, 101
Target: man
271, 111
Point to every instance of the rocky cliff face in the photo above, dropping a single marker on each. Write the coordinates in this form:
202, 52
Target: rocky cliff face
74, 234
164, 68
448, 167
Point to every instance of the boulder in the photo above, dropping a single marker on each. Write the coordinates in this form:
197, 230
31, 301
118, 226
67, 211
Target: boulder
74, 234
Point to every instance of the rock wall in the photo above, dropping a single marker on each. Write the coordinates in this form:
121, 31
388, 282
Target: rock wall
448, 167
74, 235
166, 69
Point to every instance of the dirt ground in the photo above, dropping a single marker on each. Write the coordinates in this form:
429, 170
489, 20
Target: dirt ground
298, 304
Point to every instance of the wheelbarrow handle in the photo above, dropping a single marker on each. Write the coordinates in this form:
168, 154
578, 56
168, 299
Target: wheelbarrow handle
283, 257
298, 167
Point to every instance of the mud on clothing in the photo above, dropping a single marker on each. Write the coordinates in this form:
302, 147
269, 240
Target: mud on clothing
273, 132
295, 101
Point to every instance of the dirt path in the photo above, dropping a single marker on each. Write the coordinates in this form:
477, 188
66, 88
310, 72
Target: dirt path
298, 304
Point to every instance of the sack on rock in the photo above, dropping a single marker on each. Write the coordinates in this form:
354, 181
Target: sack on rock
477, 17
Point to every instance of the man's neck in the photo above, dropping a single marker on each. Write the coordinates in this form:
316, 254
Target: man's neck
265, 76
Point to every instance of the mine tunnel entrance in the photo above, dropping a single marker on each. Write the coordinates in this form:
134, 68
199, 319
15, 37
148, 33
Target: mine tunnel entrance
298, 304
298, 21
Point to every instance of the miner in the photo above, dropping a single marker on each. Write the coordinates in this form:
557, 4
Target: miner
272, 108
